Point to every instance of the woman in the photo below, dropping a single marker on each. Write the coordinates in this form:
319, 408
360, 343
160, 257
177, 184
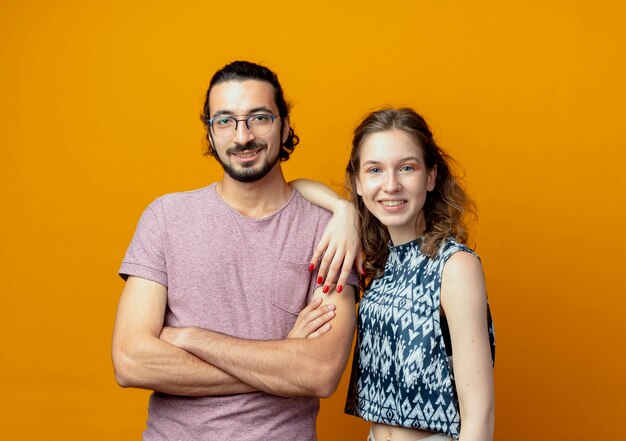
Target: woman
424, 296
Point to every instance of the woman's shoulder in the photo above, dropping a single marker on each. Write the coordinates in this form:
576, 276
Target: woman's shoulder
458, 261
450, 247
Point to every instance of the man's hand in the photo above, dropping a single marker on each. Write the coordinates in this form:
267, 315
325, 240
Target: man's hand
313, 320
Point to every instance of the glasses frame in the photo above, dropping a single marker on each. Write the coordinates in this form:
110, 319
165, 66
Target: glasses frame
244, 118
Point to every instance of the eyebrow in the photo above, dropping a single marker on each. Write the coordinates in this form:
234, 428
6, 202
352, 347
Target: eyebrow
250, 112
408, 158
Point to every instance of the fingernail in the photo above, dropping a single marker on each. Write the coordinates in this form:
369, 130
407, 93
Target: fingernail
311, 267
325, 290
339, 289
319, 280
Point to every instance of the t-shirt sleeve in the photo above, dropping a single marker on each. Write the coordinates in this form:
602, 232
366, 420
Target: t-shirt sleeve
145, 256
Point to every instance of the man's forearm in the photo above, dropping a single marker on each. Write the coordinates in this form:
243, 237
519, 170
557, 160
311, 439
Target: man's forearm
159, 366
293, 367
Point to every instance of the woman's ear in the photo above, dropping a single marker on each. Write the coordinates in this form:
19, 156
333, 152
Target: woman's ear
359, 190
431, 179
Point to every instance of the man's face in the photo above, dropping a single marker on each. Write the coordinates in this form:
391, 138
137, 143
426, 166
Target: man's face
244, 156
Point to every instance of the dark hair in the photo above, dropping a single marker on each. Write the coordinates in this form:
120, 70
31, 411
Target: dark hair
241, 71
446, 205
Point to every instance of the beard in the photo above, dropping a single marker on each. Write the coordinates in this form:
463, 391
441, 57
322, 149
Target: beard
248, 173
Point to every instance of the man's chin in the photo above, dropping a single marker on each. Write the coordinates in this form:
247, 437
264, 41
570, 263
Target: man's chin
247, 174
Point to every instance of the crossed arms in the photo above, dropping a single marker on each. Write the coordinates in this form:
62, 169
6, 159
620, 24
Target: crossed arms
201, 362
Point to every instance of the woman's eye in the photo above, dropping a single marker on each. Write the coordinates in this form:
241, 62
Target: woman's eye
407, 168
374, 170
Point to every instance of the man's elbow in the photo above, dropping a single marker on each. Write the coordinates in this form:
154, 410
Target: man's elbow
124, 369
328, 379
120, 368
326, 390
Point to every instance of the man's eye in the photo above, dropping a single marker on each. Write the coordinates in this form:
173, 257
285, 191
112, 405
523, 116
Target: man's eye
259, 119
223, 121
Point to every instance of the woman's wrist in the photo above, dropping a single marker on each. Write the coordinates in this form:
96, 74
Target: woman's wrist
341, 205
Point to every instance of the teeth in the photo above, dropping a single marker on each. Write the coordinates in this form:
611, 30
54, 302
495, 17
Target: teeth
392, 203
246, 155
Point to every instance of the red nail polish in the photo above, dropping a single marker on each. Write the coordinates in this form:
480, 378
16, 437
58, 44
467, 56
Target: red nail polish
325, 289
339, 289
311, 267
319, 280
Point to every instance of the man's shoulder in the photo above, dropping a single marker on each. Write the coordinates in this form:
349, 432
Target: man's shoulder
183, 200
187, 197
309, 208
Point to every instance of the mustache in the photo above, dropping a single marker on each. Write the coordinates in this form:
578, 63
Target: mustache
252, 145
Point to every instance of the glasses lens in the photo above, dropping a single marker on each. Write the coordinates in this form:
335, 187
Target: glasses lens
261, 124
224, 127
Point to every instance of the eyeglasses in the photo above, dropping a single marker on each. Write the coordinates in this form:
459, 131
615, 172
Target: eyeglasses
259, 124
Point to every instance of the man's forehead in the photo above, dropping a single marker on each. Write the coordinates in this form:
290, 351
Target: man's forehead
240, 97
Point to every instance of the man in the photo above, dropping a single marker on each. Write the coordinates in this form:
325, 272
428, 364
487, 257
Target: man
226, 270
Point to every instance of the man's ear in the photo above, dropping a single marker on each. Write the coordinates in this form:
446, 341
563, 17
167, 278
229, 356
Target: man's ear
210, 147
286, 128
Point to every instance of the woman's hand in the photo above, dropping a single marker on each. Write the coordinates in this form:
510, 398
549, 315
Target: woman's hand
313, 320
341, 243
340, 247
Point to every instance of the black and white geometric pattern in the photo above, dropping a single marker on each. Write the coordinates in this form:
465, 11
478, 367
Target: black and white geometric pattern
401, 374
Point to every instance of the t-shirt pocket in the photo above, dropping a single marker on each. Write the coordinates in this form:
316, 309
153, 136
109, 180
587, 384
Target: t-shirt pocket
291, 286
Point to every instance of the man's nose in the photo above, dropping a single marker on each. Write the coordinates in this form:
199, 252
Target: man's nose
242, 133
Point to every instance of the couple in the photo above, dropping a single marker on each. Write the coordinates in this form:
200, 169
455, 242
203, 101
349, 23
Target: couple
239, 306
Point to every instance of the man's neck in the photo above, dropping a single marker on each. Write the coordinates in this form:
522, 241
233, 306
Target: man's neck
256, 199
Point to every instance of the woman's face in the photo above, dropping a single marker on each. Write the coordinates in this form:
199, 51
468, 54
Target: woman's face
393, 181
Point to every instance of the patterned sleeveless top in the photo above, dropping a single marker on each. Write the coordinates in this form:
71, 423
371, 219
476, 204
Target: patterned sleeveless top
401, 374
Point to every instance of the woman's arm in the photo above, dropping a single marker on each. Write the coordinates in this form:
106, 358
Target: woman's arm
340, 245
464, 301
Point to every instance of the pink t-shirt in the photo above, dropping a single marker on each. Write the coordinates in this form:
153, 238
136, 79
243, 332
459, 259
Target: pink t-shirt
244, 277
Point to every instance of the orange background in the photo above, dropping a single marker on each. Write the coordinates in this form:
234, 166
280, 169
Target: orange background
99, 115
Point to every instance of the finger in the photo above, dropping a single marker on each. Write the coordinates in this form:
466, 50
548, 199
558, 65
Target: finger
318, 317
327, 260
346, 270
321, 331
310, 316
319, 250
317, 324
313, 305
334, 269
